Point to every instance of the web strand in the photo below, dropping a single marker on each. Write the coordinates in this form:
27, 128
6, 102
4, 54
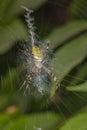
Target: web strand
30, 24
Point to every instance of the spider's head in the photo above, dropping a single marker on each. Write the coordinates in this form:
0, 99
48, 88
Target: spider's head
38, 56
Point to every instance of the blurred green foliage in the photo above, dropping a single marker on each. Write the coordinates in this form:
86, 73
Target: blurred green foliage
68, 38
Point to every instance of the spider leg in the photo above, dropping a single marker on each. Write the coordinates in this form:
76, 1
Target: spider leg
27, 82
46, 52
23, 49
26, 52
27, 86
24, 83
53, 76
48, 46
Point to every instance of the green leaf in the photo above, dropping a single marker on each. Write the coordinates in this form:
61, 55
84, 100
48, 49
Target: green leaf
78, 9
4, 99
77, 122
10, 34
73, 99
3, 5
45, 121
4, 119
13, 8
10, 79
80, 75
78, 88
7, 119
70, 29
70, 55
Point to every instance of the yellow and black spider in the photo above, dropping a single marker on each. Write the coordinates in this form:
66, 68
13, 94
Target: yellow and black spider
37, 60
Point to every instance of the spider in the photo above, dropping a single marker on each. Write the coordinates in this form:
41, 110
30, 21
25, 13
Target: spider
37, 59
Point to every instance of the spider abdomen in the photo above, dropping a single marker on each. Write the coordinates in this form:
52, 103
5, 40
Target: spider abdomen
37, 53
